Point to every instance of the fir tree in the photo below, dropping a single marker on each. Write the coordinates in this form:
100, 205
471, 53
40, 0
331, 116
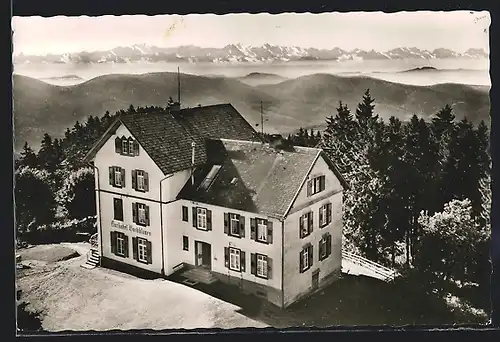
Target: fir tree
28, 157
366, 117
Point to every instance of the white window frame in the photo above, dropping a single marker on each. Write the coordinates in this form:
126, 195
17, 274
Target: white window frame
141, 213
234, 259
261, 266
130, 147
234, 218
124, 146
322, 243
305, 224
118, 176
305, 259
141, 183
142, 250
261, 227
120, 245
201, 218
324, 210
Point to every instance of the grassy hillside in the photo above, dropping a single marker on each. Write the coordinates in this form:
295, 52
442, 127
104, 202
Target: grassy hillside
305, 101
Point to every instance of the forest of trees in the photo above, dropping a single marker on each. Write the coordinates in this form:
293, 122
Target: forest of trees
419, 196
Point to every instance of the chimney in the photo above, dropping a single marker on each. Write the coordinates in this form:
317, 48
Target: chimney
193, 145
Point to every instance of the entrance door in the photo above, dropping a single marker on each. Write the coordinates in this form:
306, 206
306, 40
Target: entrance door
315, 279
203, 254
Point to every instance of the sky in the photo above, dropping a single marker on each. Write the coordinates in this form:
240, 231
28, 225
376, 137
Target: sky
456, 30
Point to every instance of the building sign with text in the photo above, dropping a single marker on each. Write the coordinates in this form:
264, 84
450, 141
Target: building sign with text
129, 227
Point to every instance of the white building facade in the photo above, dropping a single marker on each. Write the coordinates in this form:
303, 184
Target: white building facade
267, 220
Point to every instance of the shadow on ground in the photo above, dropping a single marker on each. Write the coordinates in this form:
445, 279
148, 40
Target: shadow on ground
350, 301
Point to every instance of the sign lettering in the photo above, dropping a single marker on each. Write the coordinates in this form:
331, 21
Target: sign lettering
129, 227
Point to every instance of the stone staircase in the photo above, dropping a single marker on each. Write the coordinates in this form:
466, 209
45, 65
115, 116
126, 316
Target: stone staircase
198, 275
93, 256
92, 259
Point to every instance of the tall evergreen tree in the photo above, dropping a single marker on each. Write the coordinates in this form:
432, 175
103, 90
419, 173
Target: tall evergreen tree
366, 117
28, 157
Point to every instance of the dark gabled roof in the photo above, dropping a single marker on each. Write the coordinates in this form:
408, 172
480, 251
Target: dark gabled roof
167, 137
165, 140
221, 121
267, 179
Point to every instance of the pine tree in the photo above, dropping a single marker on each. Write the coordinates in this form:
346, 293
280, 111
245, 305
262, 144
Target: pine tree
366, 117
28, 157
46, 154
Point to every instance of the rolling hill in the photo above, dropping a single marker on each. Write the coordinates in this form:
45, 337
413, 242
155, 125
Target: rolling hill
305, 101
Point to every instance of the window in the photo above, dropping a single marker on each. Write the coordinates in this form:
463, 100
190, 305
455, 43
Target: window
118, 177
141, 210
315, 185
202, 218
142, 250
325, 246
261, 230
306, 224
234, 224
325, 214
261, 265
185, 243
131, 147
118, 209
140, 180
306, 258
210, 177
124, 146
185, 214
234, 259
120, 245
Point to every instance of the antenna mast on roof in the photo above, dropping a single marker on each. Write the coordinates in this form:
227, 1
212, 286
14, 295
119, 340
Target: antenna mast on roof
178, 85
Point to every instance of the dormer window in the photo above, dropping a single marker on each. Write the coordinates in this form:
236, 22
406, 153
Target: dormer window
126, 146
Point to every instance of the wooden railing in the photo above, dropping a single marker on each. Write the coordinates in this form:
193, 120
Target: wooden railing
94, 241
385, 272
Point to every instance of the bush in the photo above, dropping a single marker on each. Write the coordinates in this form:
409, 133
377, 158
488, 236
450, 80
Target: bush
76, 196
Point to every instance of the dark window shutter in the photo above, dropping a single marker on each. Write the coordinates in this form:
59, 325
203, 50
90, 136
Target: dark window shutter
269, 231
134, 248
113, 242
301, 227
185, 214
123, 177
309, 188
310, 255
118, 209
329, 213
269, 268
301, 261
328, 245
226, 223
146, 182
242, 226
195, 217
320, 215
149, 251
311, 222
134, 212
242, 261
136, 148
125, 246
226, 256
118, 145
111, 176
146, 209
253, 263
322, 183
209, 219
134, 179
253, 229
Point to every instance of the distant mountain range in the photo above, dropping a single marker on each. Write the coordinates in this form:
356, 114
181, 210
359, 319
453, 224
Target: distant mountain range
300, 102
237, 53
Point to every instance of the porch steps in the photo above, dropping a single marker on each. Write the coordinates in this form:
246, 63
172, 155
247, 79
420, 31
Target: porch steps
200, 275
92, 260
